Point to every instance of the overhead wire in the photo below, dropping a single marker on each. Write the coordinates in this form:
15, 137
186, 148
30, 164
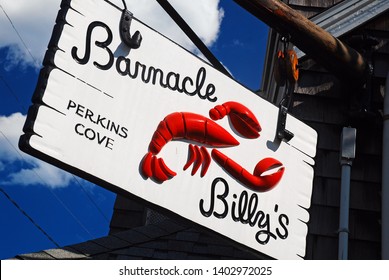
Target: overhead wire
20, 37
12, 92
74, 177
18, 101
90, 198
29, 217
51, 191
47, 184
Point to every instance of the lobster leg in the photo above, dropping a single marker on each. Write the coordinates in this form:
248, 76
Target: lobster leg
206, 162
199, 160
197, 157
256, 181
146, 165
192, 157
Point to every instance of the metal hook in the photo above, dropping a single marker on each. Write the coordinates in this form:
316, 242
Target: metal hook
288, 81
281, 132
124, 4
285, 40
134, 41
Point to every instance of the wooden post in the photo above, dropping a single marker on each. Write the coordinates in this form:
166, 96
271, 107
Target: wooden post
334, 55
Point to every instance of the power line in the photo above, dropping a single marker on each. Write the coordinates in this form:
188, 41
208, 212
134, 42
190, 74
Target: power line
29, 217
90, 198
45, 183
20, 37
10, 90
18, 100
74, 177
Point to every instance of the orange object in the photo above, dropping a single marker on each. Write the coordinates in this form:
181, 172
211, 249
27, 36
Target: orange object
286, 67
292, 71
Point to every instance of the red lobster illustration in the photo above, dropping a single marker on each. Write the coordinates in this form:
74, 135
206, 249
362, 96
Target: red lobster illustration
200, 129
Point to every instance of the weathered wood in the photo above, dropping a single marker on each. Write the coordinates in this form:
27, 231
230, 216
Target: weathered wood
338, 58
363, 196
313, 3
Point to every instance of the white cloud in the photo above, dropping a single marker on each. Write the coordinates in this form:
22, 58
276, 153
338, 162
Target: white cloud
30, 171
203, 16
32, 24
42, 174
35, 26
10, 130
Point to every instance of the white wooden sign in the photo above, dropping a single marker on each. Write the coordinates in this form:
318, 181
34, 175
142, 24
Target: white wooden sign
99, 103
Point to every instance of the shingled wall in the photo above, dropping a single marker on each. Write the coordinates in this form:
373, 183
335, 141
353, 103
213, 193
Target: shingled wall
328, 105
310, 8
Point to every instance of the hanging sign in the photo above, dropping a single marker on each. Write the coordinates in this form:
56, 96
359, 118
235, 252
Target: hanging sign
146, 117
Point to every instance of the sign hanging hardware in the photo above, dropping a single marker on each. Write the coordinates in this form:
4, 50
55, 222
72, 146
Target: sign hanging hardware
366, 45
181, 23
134, 41
286, 74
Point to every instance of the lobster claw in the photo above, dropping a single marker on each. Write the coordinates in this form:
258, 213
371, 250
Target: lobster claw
255, 181
242, 118
267, 164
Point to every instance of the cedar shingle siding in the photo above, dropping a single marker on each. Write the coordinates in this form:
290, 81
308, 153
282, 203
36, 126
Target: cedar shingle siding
327, 105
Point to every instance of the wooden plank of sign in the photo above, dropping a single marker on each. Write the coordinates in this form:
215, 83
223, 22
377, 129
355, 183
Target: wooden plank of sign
97, 122
305, 137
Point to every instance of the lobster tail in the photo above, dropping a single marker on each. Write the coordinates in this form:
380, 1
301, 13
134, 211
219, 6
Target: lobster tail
153, 167
160, 137
168, 129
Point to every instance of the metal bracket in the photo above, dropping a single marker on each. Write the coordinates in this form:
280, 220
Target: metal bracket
343, 230
282, 132
288, 81
134, 41
348, 145
366, 45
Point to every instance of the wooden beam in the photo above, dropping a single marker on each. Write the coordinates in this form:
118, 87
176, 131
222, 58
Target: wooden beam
338, 58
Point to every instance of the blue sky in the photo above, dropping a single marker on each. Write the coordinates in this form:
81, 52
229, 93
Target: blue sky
41, 206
